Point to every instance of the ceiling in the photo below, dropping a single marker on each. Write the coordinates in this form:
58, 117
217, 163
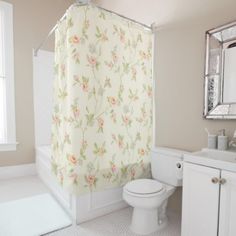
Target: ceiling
164, 12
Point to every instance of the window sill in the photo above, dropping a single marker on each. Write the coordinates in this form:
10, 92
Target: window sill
5, 147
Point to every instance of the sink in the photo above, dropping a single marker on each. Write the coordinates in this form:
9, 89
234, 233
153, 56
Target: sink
225, 160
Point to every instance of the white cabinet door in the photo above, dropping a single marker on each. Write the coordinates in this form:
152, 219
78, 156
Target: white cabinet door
200, 201
227, 222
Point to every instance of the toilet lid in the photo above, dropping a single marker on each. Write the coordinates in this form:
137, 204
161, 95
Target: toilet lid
144, 186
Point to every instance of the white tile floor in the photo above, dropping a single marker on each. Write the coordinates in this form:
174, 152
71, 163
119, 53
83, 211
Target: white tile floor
115, 224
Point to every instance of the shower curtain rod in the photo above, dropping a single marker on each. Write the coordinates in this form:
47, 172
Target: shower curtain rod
83, 4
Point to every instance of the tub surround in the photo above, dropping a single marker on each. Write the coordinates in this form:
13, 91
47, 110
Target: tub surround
84, 207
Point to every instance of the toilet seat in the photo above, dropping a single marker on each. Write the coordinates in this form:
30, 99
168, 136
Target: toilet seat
144, 187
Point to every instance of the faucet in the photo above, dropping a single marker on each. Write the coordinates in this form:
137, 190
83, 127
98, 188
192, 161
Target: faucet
232, 143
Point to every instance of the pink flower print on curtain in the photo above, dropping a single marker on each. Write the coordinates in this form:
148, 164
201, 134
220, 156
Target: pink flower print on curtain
102, 117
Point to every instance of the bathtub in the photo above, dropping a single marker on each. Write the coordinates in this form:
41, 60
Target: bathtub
81, 208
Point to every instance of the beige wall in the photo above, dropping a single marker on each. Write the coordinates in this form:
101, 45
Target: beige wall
179, 97
32, 21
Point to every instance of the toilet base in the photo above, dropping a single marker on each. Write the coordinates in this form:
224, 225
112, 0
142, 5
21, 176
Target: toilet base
145, 221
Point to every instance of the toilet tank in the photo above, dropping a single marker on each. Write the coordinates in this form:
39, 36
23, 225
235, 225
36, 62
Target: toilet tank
167, 166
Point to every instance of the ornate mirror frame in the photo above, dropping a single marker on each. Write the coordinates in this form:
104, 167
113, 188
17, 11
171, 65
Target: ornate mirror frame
217, 40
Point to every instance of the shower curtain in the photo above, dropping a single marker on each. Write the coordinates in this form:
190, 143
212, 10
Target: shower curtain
102, 118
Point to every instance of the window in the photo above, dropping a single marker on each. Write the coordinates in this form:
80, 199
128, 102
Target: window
7, 98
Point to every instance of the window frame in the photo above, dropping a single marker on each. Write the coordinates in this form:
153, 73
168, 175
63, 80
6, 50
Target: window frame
8, 55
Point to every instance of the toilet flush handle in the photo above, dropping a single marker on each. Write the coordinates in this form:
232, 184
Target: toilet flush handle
178, 165
179, 170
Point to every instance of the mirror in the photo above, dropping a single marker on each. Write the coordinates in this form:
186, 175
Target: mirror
220, 73
229, 88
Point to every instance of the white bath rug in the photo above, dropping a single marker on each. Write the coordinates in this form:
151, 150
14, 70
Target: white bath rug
32, 216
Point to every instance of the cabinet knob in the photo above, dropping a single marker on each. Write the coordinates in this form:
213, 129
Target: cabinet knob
222, 181
214, 180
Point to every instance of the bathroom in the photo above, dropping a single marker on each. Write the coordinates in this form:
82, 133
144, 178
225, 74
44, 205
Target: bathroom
179, 117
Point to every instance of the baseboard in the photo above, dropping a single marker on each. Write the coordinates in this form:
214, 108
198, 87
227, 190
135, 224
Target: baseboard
10, 172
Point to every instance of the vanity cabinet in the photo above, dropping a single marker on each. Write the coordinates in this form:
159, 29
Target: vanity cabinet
209, 201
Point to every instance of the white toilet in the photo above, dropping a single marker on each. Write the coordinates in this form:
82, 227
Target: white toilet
149, 197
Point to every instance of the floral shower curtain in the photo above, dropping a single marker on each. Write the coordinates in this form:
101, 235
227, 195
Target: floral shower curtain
102, 118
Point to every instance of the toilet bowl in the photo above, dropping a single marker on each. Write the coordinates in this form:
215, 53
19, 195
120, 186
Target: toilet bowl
149, 197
